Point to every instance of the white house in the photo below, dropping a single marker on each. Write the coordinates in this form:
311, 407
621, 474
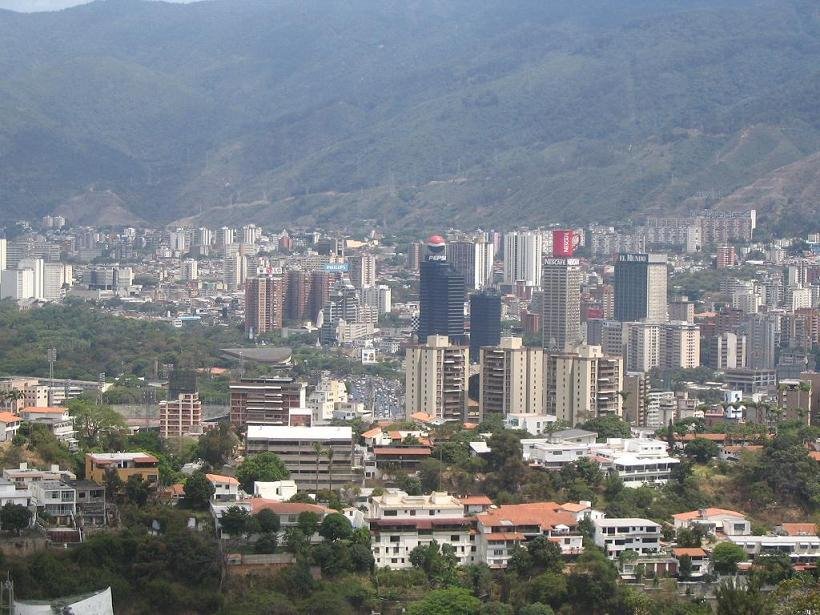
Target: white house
617, 535
400, 522
55, 498
637, 461
10, 493
279, 490
226, 488
798, 548
714, 520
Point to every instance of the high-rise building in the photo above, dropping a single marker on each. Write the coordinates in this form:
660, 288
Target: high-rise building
265, 401
485, 322
523, 256
190, 270
37, 265
636, 389
379, 297
582, 385
561, 317
640, 287
672, 345
250, 233
17, 284
436, 379
414, 253
363, 270
233, 269
320, 282
297, 295
473, 260
264, 304
3, 249
682, 310
725, 257
342, 305
225, 236
726, 351
511, 379
180, 416
441, 295
56, 278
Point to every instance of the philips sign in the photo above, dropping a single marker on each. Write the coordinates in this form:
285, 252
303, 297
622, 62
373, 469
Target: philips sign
337, 267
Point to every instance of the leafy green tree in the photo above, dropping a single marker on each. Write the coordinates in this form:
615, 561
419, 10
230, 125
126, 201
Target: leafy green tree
266, 543
335, 526
430, 474
608, 426
438, 562
495, 608
265, 467
592, 587
198, 491
268, 521
361, 536
546, 555
547, 588
520, 562
732, 599
14, 517
726, 556
361, 557
296, 541
701, 450
450, 601
136, 490
689, 537
94, 423
234, 521
308, 522
217, 445
685, 568
536, 608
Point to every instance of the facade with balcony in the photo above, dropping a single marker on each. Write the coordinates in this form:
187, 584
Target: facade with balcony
615, 536
55, 498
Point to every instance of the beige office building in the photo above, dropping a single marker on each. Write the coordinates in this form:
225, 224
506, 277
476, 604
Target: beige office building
181, 417
436, 377
511, 379
583, 384
561, 316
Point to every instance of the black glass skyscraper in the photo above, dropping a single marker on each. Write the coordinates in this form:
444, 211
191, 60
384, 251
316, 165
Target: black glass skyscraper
485, 322
441, 295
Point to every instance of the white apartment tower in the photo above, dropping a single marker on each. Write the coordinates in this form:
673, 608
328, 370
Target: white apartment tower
523, 256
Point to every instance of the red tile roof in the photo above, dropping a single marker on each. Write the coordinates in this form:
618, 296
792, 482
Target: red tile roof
476, 500
799, 529
8, 417
545, 515
218, 478
690, 551
503, 536
707, 512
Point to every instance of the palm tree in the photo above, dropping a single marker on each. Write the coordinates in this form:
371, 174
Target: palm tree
317, 448
329, 454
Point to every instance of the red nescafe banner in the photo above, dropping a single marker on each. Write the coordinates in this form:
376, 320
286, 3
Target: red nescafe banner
564, 242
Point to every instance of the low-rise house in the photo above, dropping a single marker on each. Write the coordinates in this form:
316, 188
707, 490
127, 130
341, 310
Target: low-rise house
615, 536
55, 498
392, 459
278, 490
400, 522
637, 461
500, 530
56, 419
715, 521
11, 493
535, 424
295, 446
23, 476
9, 424
578, 436
799, 549
701, 564
90, 502
475, 504
288, 512
146, 466
226, 488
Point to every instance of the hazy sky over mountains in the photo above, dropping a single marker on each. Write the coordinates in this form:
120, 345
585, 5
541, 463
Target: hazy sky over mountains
30, 6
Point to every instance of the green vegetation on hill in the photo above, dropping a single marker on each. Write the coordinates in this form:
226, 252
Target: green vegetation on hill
405, 113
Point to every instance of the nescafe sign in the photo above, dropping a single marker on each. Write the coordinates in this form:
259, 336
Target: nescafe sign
564, 242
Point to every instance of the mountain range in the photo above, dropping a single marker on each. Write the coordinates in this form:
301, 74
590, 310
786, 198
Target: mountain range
410, 112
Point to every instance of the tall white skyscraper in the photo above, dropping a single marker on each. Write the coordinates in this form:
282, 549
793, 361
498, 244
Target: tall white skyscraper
17, 284
38, 267
523, 254
3, 248
473, 260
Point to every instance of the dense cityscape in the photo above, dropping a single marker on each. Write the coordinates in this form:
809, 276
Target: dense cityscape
521, 421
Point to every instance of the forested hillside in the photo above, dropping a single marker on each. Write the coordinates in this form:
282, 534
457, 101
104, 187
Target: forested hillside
407, 112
